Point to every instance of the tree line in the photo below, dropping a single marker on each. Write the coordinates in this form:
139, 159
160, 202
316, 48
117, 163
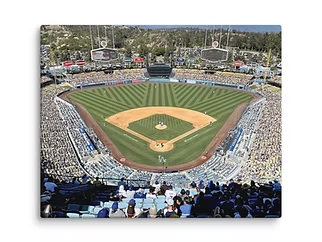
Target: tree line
69, 38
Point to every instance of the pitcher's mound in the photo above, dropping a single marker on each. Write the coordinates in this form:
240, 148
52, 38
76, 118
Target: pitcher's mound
156, 146
158, 126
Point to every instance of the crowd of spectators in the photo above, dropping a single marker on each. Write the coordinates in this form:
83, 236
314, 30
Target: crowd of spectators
265, 158
44, 53
277, 79
58, 159
73, 122
222, 77
203, 199
44, 79
248, 124
95, 77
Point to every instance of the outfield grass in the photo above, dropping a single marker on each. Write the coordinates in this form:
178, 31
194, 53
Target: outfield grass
175, 127
219, 103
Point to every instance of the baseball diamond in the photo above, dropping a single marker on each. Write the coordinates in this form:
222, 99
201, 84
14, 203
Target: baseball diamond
116, 109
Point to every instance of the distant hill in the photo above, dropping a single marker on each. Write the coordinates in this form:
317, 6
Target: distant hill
158, 39
242, 28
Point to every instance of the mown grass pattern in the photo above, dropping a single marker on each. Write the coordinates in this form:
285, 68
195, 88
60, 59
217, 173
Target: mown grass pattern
104, 102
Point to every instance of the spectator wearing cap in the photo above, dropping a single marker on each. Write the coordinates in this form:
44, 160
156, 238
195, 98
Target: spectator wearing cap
130, 193
211, 185
187, 195
193, 189
116, 212
169, 194
103, 213
193, 184
131, 210
182, 194
121, 182
232, 186
201, 186
140, 194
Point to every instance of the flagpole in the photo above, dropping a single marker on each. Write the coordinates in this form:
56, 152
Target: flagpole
90, 31
98, 35
206, 39
228, 37
113, 36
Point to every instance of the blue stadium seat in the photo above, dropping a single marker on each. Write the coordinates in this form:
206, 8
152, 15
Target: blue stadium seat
73, 207
72, 215
88, 216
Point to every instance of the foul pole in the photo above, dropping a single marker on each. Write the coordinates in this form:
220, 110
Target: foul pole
220, 36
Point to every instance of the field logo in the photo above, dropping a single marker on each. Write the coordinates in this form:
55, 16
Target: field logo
161, 159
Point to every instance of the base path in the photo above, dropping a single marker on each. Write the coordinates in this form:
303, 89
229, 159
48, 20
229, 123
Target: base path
91, 123
197, 119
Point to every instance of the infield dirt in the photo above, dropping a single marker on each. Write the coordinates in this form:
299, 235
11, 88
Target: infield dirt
197, 119
91, 122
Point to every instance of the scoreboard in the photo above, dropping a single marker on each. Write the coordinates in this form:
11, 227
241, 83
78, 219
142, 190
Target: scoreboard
214, 55
104, 54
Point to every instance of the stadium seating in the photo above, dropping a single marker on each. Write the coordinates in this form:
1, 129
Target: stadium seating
61, 125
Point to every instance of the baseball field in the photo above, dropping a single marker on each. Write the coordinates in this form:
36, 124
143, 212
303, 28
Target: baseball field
146, 120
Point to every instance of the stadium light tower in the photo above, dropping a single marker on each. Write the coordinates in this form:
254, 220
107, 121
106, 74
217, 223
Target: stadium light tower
227, 37
98, 35
267, 63
91, 36
105, 33
206, 39
113, 36
220, 36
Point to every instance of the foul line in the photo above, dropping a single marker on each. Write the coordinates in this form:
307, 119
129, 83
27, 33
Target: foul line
150, 141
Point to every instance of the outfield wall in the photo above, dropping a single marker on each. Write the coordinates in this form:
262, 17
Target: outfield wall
109, 83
